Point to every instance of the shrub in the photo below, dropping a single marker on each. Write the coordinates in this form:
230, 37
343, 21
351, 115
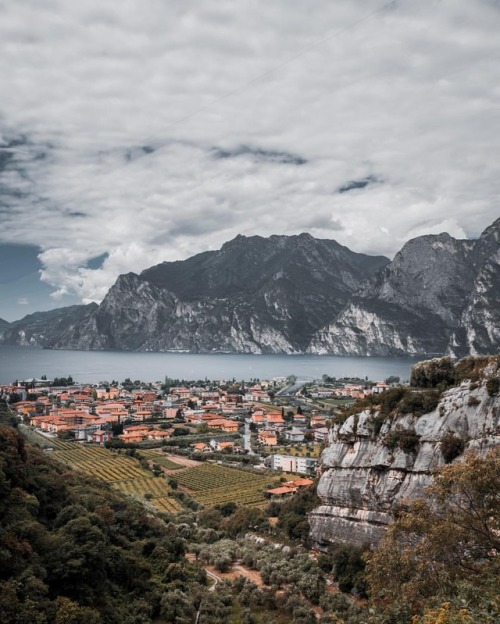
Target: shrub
470, 368
406, 439
473, 401
349, 569
419, 403
493, 386
452, 446
409, 440
432, 373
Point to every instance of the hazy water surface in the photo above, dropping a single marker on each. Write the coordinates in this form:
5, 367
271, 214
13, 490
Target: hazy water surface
94, 366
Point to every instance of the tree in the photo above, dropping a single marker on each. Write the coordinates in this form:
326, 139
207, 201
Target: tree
443, 547
176, 607
393, 379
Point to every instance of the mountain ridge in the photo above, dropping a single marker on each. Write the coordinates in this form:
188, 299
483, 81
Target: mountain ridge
296, 294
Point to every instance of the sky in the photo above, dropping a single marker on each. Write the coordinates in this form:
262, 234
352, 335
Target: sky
140, 131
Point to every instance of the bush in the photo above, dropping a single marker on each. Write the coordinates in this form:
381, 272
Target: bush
493, 386
433, 373
470, 368
452, 446
406, 439
349, 569
419, 403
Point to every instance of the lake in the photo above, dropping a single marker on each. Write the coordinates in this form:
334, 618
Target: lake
94, 366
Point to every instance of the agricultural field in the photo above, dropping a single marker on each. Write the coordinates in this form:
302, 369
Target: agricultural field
160, 459
121, 472
211, 485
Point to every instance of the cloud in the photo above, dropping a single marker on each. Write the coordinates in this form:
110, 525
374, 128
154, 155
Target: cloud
109, 117
265, 155
22, 301
353, 185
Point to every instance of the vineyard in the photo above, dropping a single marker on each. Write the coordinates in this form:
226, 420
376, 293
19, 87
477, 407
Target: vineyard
215, 485
121, 472
209, 484
160, 459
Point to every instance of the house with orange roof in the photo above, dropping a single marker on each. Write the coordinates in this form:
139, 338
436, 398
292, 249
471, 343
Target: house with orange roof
274, 418
281, 492
194, 417
299, 483
100, 436
141, 415
219, 445
229, 426
138, 429
268, 438
159, 434
380, 387
132, 437
201, 447
258, 418
318, 421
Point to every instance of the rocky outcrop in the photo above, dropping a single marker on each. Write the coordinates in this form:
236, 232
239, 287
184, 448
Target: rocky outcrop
365, 475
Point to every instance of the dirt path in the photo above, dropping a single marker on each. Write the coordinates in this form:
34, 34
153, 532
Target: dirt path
237, 570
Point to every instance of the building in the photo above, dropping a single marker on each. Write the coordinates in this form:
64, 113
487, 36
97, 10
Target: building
294, 435
290, 463
321, 434
268, 438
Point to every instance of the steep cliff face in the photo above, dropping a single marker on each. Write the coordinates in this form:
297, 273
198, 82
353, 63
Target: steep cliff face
295, 294
255, 295
479, 326
42, 329
367, 472
438, 295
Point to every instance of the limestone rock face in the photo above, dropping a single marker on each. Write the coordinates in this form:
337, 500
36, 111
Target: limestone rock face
362, 479
254, 295
438, 295
42, 329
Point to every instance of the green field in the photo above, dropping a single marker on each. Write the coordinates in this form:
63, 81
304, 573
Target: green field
212, 485
120, 471
160, 459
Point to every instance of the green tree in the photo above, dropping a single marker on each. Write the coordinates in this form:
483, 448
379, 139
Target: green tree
443, 547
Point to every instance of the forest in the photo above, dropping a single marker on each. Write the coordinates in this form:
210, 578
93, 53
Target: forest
75, 551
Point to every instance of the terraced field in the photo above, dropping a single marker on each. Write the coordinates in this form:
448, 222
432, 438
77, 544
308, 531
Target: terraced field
213, 485
120, 471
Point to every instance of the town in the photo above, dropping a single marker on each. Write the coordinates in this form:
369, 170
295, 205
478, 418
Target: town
276, 424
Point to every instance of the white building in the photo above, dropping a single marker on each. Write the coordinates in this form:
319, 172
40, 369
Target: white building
290, 463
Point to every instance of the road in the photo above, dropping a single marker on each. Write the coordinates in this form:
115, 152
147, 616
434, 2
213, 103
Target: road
247, 445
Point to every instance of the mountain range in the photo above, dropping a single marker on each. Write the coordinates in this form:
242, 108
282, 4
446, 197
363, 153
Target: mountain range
293, 294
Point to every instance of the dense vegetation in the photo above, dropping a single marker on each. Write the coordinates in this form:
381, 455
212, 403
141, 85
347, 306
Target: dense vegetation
74, 551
